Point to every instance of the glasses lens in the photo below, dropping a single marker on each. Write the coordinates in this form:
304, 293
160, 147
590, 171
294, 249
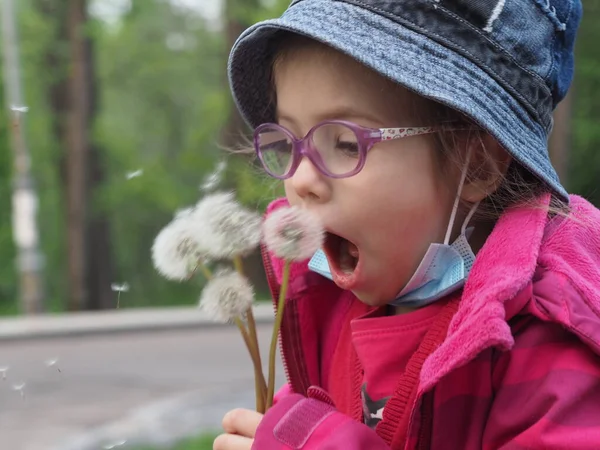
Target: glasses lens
338, 147
275, 149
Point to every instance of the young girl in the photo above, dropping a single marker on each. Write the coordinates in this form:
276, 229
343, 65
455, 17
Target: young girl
456, 304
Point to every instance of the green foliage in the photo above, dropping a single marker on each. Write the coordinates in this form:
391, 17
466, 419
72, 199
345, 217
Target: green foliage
585, 160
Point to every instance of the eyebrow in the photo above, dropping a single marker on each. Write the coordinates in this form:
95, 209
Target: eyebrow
342, 112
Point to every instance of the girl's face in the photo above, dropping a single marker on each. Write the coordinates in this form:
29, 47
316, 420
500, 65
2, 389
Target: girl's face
381, 221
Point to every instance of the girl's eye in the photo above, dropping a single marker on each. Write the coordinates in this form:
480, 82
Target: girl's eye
348, 147
347, 144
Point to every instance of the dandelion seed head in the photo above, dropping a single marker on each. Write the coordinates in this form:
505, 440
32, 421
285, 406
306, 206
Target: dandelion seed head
176, 251
293, 233
183, 213
226, 296
231, 229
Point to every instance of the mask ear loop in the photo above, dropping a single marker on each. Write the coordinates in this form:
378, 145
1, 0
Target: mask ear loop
461, 184
463, 228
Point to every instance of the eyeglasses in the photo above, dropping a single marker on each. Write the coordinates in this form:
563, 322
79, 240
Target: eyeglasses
337, 148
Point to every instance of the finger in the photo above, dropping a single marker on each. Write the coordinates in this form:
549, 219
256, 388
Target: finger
242, 421
232, 442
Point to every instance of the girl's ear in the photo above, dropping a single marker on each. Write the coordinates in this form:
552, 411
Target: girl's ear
488, 165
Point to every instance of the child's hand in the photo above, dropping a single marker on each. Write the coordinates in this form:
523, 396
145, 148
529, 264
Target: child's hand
240, 427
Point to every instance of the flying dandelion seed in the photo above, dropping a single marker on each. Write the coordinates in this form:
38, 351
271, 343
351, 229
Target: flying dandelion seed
20, 388
134, 174
3, 371
114, 445
19, 109
214, 179
53, 363
122, 287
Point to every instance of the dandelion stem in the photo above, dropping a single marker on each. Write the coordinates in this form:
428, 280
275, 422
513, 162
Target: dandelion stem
260, 376
238, 264
261, 384
118, 299
260, 398
205, 270
276, 327
242, 328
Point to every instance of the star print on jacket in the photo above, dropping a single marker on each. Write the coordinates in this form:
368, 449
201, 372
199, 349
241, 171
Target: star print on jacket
372, 409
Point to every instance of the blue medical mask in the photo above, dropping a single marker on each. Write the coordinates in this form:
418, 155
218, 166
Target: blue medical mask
443, 269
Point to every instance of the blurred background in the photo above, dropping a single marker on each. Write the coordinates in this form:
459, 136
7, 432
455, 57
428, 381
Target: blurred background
115, 115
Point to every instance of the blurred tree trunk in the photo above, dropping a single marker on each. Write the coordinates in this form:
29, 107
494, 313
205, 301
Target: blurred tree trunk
559, 144
235, 132
88, 234
77, 151
100, 264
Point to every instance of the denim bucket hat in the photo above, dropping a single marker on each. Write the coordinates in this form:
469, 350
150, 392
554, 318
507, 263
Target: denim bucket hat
506, 64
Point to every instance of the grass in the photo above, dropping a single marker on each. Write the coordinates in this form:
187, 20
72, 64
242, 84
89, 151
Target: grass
202, 442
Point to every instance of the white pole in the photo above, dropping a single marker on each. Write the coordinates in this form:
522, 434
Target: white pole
24, 197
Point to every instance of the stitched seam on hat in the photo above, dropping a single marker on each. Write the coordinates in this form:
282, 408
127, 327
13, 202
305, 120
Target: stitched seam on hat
534, 110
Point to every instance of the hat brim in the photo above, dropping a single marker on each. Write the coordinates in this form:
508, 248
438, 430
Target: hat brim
405, 56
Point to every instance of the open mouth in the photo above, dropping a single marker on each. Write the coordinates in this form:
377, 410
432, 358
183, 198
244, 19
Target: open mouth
343, 255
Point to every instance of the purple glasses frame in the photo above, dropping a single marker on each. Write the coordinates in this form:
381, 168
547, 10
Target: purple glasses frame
367, 138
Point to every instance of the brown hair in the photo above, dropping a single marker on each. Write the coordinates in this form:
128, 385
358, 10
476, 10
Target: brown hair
518, 185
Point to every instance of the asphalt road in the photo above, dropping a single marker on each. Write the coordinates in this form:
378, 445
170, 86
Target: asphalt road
127, 386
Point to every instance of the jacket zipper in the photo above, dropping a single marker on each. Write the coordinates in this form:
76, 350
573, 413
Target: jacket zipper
289, 328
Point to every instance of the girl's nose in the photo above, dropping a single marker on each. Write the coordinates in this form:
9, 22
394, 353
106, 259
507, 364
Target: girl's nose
308, 183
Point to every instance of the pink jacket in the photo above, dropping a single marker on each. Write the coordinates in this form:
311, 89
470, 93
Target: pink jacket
518, 365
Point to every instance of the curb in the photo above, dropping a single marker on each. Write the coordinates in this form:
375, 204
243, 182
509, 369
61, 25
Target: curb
114, 321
